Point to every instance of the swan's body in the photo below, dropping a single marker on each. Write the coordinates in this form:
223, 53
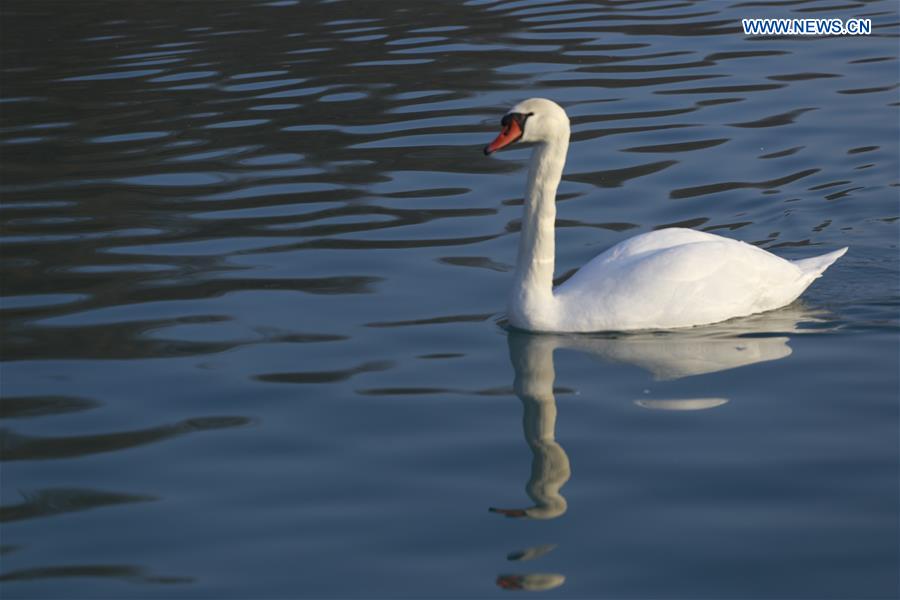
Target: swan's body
663, 279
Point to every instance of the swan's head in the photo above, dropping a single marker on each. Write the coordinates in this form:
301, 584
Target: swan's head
532, 120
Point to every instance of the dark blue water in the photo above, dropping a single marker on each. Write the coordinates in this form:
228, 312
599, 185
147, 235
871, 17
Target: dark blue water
254, 269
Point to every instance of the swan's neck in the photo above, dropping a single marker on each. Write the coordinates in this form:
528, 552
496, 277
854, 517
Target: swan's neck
532, 293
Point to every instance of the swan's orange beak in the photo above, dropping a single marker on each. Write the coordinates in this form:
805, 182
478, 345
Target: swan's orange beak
511, 582
510, 133
516, 513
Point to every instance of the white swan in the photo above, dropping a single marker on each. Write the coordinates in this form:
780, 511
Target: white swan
658, 280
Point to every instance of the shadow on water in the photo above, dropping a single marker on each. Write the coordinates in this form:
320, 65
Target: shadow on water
25, 447
38, 406
45, 503
127, 573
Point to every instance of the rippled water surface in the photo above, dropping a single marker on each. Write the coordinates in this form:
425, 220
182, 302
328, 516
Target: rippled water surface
254, 269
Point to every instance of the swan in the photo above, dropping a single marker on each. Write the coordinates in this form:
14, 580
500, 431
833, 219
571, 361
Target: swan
664, 279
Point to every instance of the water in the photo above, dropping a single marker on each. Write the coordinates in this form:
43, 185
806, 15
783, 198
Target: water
254, 269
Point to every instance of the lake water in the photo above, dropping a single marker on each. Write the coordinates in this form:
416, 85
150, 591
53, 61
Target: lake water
254, 273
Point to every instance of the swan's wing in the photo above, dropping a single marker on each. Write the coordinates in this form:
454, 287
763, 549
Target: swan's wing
656, 240
660, 283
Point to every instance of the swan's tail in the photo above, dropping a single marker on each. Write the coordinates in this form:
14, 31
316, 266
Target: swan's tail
815, 266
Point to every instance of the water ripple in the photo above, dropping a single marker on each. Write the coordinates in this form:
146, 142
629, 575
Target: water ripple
277, 215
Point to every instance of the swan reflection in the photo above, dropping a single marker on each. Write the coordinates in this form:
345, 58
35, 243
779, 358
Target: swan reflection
682, 403
532, 359
532, 582
531, 553
699, 351
666, 355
